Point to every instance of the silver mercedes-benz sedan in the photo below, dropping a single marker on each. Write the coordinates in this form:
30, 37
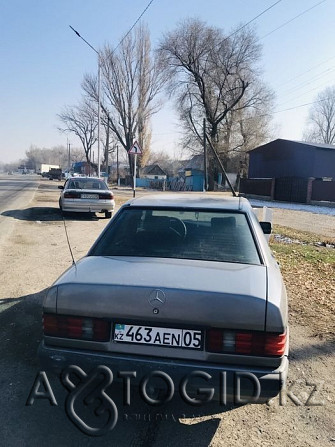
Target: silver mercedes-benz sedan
184, 284
86, 195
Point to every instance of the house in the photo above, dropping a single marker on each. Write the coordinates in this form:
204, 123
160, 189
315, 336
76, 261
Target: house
292, 171
286, 158
153, 172
193, 171
83, 168
152, 176
194, 175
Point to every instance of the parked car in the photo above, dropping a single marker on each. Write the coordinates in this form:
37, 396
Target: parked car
86, 194
177, 283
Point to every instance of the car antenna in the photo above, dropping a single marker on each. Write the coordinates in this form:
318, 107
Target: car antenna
68, 242
222, 167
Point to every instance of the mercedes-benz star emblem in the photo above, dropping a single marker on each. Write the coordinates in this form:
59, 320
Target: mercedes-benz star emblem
157, 298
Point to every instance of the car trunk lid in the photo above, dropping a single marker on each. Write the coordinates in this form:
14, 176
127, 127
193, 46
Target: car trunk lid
190, 293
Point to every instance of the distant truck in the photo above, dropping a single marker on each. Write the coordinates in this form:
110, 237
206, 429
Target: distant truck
43, 169
55, 174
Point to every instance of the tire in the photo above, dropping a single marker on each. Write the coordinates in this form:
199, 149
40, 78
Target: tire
108, 214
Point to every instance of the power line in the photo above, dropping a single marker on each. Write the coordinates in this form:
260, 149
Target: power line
252, 20
304, 72
291, 20
299, 96
127, 33
281, 26
136, 22
316, 76
312, 80
298, 107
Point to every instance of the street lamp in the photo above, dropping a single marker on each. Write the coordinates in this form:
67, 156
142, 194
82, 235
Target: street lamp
99, 89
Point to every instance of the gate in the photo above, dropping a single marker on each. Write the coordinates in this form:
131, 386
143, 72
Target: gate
291, 189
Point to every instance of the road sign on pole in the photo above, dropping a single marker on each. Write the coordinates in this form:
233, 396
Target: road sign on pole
135, 149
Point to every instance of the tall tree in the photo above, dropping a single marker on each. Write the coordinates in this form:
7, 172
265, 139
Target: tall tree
321, 121
214, 77
81, 121
131, 80
144, 84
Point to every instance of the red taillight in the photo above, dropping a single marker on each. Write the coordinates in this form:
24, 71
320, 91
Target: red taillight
100, 329
247, 343
275, 344
214, 340
71, 195
105, 196
243, 343
76, 327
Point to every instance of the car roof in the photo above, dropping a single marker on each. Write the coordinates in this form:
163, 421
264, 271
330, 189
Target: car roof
192, 200
84, 177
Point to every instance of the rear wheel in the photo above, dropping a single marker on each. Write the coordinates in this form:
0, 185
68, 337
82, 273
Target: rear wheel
108, 214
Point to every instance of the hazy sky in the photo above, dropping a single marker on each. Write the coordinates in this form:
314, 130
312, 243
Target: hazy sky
43, 61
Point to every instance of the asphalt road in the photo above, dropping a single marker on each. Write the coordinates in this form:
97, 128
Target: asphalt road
16, 192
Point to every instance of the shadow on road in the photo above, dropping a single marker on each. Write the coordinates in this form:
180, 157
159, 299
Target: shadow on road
138, 424
21, 327
48, 214
321, 348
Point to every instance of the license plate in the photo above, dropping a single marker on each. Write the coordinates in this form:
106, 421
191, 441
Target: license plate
89, 196
161, 336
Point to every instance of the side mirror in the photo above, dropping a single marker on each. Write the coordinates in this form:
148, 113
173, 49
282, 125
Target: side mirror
60, 187
266, 227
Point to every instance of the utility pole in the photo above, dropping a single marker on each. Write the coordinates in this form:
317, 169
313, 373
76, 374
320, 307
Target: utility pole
99, 111
99, 93
117, 165
221, 166
69, 158
135, 150
107, 147
205, 158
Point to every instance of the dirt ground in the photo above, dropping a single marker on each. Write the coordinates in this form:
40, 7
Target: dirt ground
300, 220
37, 252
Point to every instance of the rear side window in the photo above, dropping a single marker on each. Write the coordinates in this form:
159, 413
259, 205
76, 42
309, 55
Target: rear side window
170, 233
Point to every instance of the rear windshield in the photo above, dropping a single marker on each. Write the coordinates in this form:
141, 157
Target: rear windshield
167, 233
83, 183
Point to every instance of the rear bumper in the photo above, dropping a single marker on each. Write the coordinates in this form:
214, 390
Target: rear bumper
82, 206
231, 383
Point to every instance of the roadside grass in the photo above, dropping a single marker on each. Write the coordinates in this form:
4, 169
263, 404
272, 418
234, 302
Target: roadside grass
293, 253
121, 199
302, 236
309, 275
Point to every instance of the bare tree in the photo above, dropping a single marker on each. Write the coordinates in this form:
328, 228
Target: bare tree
76, 155
131, 80
81, 121
321, 121
57, 155
214, 77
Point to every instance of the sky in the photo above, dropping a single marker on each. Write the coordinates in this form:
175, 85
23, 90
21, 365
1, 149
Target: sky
43, 62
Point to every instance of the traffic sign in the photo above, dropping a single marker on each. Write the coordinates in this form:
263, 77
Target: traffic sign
135, 149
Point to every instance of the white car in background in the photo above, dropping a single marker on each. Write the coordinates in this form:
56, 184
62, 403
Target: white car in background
86, 195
